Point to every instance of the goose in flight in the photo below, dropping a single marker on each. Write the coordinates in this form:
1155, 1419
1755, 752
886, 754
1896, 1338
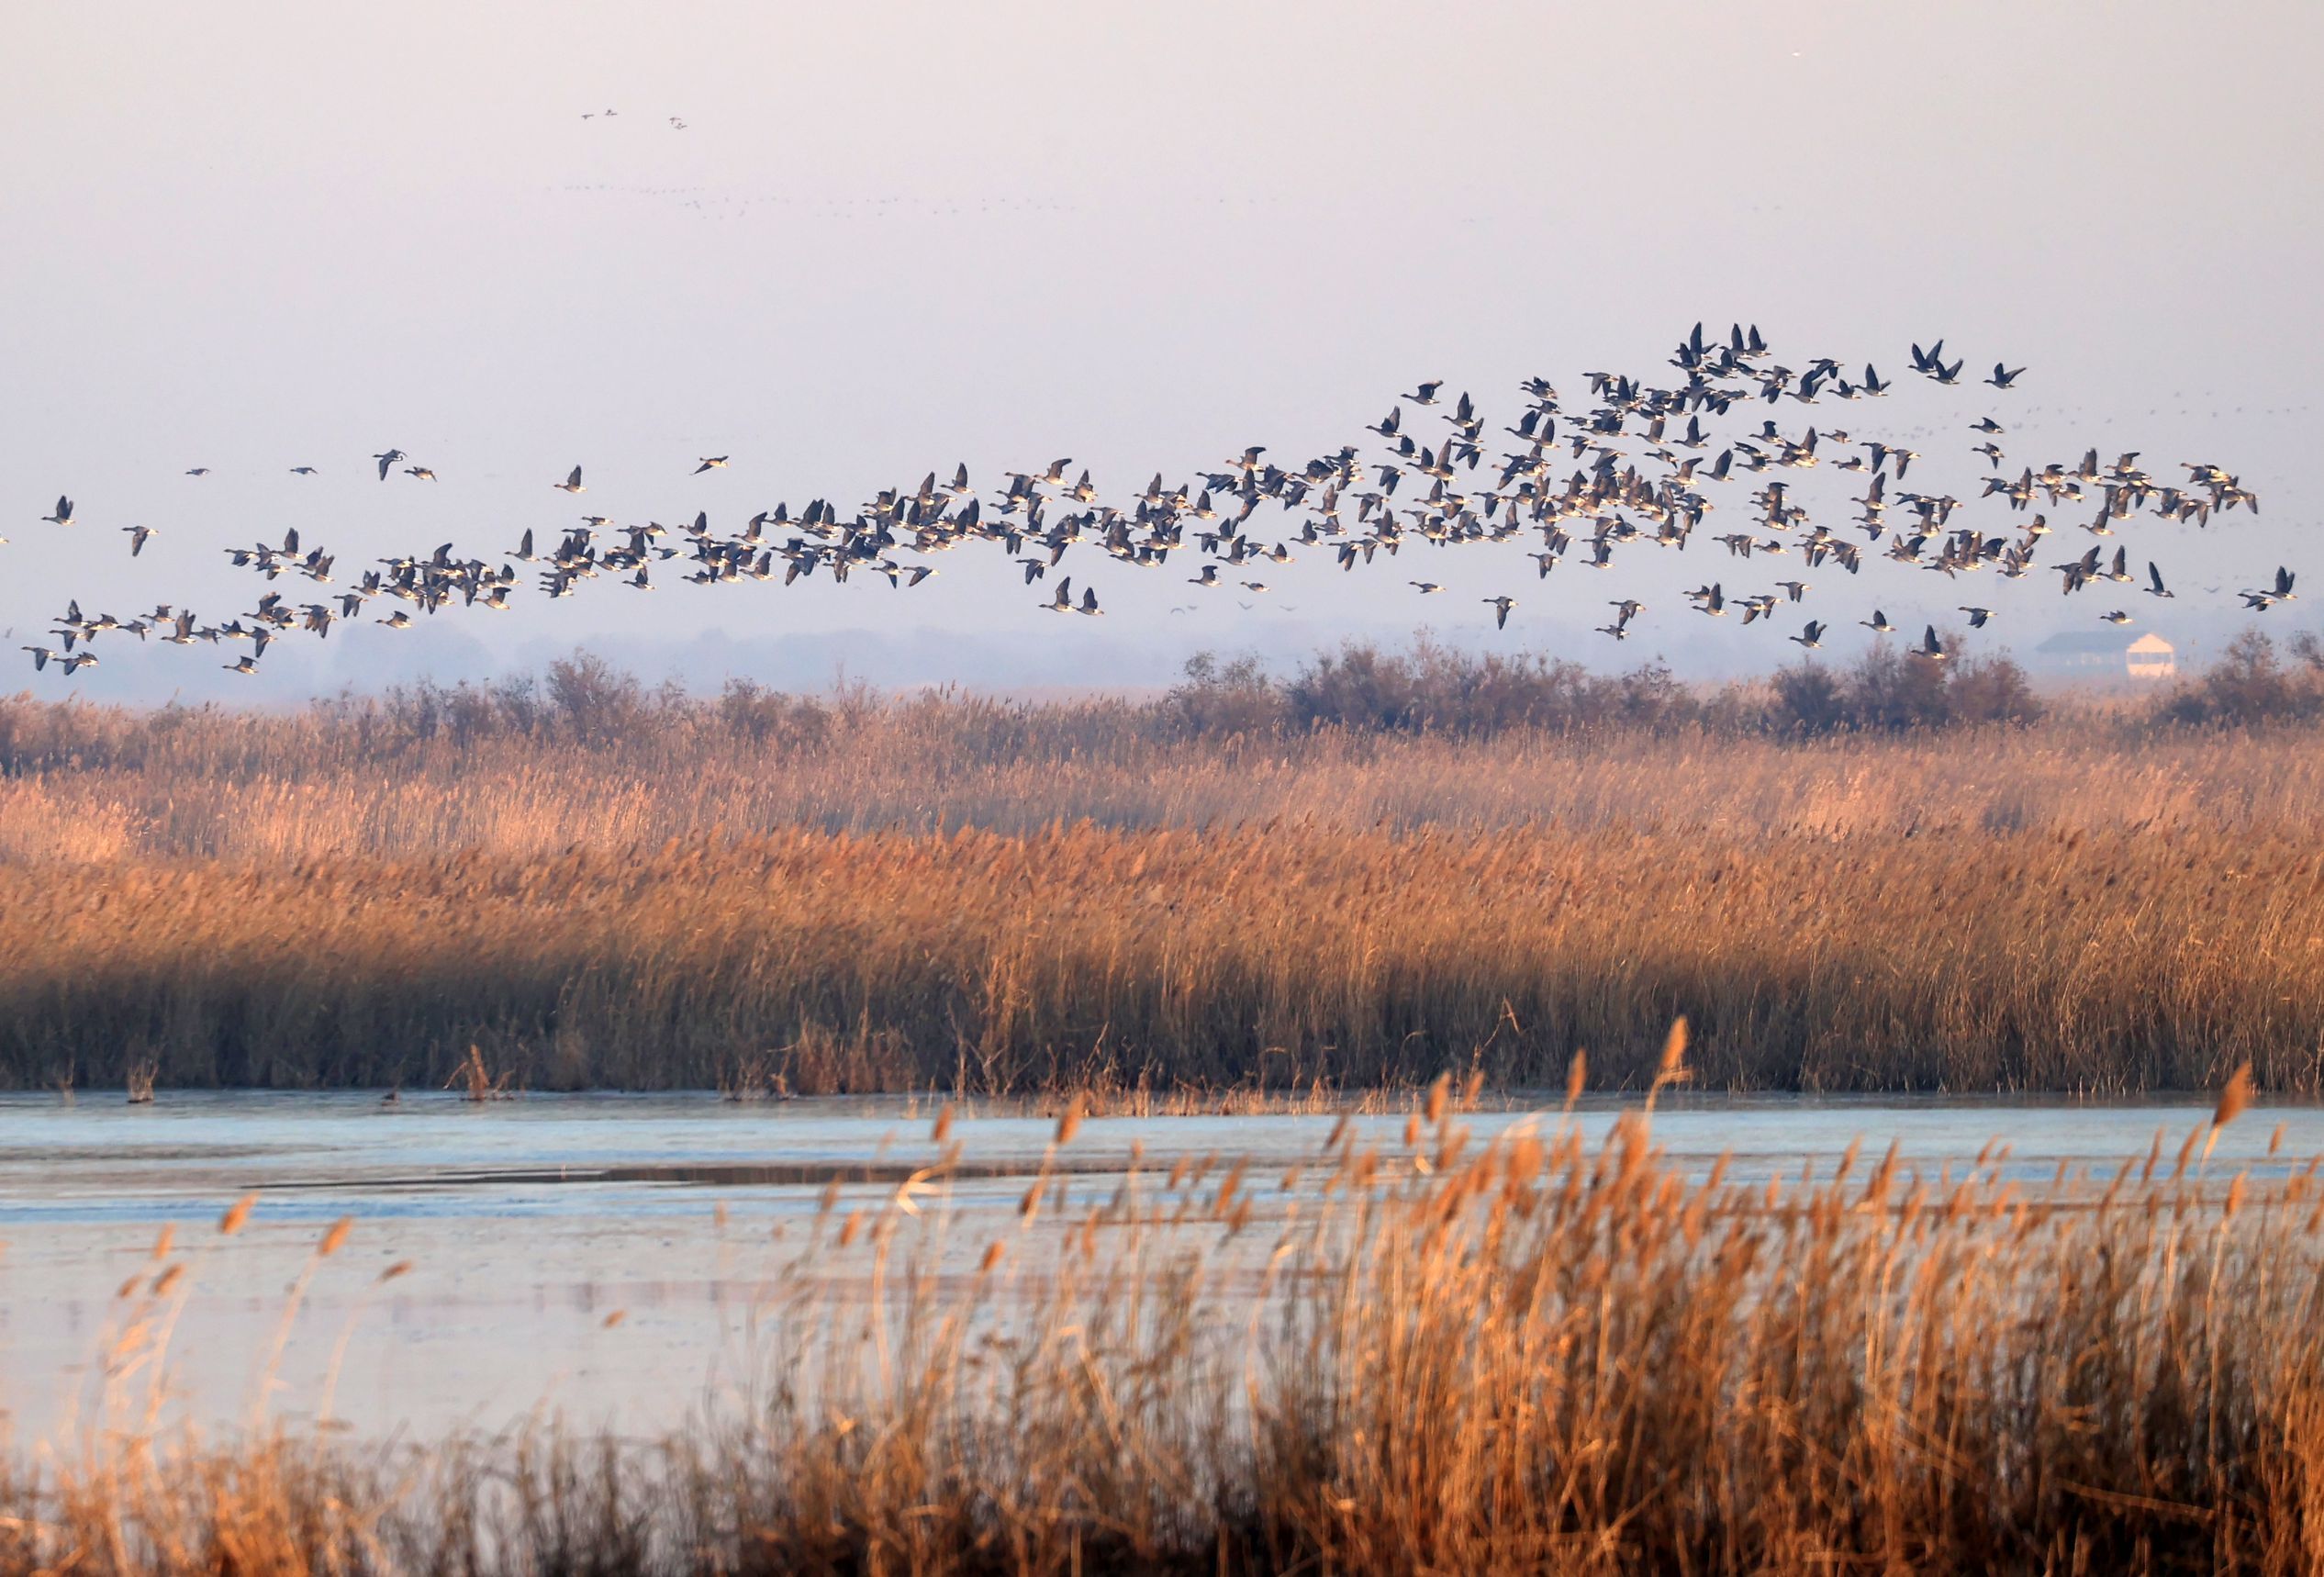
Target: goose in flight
421, 472
2154, 582
79, 660
1063, 602
304, 471
246, 664
1978, 617
1089, 602
1501, 607
711, 462
139, 536
1811, 637
2114, 616
1930, 647
1878, 623
398, 620
387, 462
2260, 602
40, 655
63, 517
1424, 587
2003, 377
198, 471
1427, 394
572, 484
1620, 627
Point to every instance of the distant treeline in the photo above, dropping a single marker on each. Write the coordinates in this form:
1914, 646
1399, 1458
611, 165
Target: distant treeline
1425, 688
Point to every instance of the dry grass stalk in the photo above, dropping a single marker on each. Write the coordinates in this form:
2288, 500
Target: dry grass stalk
1538, 1357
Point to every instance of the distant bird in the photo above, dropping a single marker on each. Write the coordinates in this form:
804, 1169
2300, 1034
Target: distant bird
1501, 607
245, 666
1929, 647
63, 517
1063, 602
1878, 623
1986, 424
1089, 601
709, 462
572, 484
79, 660
1978, 616
398, 620
1424, 587
387, 462
1811, 637
2116, 616
419, 471
2003, 377
40, 655
303, 471
138, 535
198, 471
2154, 582
676, 124
1427, 394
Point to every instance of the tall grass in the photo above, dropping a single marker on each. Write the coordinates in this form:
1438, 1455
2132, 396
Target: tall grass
1282, 954
858, 894
1528, 1355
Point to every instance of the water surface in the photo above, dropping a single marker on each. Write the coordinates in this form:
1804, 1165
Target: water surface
619, 1260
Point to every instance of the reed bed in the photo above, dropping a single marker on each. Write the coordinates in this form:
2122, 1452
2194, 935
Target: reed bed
1531, 1355
1000, 900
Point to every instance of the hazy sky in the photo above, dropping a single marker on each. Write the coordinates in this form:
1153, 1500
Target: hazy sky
895, 237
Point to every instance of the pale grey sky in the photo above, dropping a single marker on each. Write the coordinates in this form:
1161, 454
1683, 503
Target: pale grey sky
894, 237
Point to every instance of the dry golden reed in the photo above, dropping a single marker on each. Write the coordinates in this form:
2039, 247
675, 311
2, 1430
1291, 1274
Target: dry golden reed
1541, 1356
962, 895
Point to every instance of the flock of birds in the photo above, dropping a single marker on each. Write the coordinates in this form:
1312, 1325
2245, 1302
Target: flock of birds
1633, 466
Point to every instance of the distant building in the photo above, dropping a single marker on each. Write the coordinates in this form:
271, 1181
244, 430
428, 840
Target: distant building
2112, 653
